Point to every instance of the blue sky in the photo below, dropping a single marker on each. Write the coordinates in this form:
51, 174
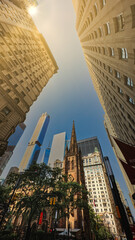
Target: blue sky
70, 94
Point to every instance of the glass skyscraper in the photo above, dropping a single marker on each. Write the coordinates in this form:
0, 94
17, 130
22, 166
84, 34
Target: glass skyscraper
46, 155
34, 146
12, 142
88, 146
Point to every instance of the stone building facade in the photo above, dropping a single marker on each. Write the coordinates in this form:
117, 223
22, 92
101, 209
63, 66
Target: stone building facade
101, 198
106, 30
26, 65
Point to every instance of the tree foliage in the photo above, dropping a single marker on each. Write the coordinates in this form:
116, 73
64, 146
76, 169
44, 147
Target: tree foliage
97, 226
33, 190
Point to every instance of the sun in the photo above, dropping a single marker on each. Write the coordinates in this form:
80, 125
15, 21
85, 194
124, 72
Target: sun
32, 10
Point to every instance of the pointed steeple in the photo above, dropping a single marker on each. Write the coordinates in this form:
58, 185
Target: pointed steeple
73, 142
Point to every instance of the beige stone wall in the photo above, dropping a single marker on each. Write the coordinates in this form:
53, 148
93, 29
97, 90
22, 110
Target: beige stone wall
26, 65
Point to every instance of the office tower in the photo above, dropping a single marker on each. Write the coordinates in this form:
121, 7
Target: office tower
97, 184
26, 66
89, 145
119, 206
34, 146
12, 142
73, 168
46, 155
57, 148
106, 30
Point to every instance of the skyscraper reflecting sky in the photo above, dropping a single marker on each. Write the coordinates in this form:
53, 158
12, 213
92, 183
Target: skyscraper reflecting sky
34, 146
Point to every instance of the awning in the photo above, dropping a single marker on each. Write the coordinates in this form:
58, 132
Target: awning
130, 171
127, 150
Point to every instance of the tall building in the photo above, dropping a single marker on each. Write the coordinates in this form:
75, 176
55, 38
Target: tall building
73, 168
46, 155
106, 30
96, 180
34, 146
12, 142
57, 148
89, 145
118, 202
26, 65
127, 162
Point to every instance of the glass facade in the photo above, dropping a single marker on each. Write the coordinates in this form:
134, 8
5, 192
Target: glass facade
34, 146
14, 138
89, 145
12, 142
46, 156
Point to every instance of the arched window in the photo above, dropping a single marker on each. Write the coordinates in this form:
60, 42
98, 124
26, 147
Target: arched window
68, 165
72, 164
91, 16
95, 9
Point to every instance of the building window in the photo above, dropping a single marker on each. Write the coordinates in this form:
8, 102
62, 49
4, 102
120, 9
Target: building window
23, 94
120, 23
16, 73
107, 28
102, 3
117, 74
95, 9
100, 32
111, 51
8, 76
6, 110
110, 70
129, 81
133, 15
131, 100
91, 16
72, 164
68, 165
103, 50
123, 53
120, 91
16, 100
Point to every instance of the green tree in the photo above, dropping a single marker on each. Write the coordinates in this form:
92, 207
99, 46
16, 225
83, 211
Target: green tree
35, 188
97, 226
36, 185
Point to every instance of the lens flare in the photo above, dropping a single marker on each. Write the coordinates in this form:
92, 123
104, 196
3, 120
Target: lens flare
32, 10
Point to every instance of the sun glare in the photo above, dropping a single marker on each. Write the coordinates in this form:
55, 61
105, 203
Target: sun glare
32, 10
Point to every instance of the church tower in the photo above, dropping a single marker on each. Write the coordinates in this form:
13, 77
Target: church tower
73, 168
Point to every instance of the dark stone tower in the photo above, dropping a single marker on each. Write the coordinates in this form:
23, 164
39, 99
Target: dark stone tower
73, 168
